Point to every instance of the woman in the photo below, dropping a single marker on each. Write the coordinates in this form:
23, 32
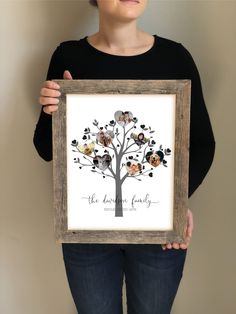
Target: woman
119, 50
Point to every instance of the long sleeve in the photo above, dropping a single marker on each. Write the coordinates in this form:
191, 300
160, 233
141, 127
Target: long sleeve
202, 142
43, 131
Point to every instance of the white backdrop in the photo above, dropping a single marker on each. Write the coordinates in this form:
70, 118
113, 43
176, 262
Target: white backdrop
155, 111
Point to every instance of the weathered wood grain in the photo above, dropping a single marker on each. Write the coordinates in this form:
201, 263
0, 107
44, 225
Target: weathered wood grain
180, 88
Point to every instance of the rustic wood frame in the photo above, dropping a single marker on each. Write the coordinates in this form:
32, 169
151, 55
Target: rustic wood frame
182, 90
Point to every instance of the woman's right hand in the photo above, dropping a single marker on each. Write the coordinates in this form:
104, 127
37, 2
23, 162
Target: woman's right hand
49, 94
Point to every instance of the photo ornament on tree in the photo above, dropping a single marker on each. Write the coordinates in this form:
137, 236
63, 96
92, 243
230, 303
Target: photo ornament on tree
120, 161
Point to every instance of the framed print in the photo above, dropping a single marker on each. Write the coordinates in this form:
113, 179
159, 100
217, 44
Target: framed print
120, 161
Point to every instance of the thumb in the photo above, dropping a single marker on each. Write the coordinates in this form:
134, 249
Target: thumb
67, 75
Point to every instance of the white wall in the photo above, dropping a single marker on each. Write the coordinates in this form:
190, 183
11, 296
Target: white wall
32, 277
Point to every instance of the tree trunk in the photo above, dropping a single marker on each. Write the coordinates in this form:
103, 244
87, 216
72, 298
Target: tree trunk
119, 203
118, 195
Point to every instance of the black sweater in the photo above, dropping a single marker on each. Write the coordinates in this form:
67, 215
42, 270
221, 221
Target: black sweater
165, 60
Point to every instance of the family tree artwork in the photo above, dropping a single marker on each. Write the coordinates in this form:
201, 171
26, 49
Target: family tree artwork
120, 161
119, 150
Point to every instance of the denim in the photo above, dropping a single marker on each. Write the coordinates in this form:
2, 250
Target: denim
95, 274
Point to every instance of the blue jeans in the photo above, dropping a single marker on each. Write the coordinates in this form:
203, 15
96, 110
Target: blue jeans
95, 274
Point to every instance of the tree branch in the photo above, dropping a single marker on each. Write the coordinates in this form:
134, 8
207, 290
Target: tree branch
123, 143
103, 174
127, 144
122, 166
124, 177
134, 151
84, 165
82, 153
112, 172
129, 130
144, 153
107, 175
134, 177
114, 148
118, 140
141, 174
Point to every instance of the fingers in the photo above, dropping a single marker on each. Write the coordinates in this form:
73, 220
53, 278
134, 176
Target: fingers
190, 225
67, 75
188, 232
184, 246
45, 101
51, 85
49, 109
175, 246
46, 92
49, 94
166, 246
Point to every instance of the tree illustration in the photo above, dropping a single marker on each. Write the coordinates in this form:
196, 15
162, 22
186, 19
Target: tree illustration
120, 150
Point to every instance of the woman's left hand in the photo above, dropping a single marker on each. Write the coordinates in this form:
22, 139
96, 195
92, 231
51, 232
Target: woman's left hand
189, 231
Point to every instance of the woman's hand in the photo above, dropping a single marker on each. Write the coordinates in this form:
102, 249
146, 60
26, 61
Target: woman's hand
49, 94
189, 231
